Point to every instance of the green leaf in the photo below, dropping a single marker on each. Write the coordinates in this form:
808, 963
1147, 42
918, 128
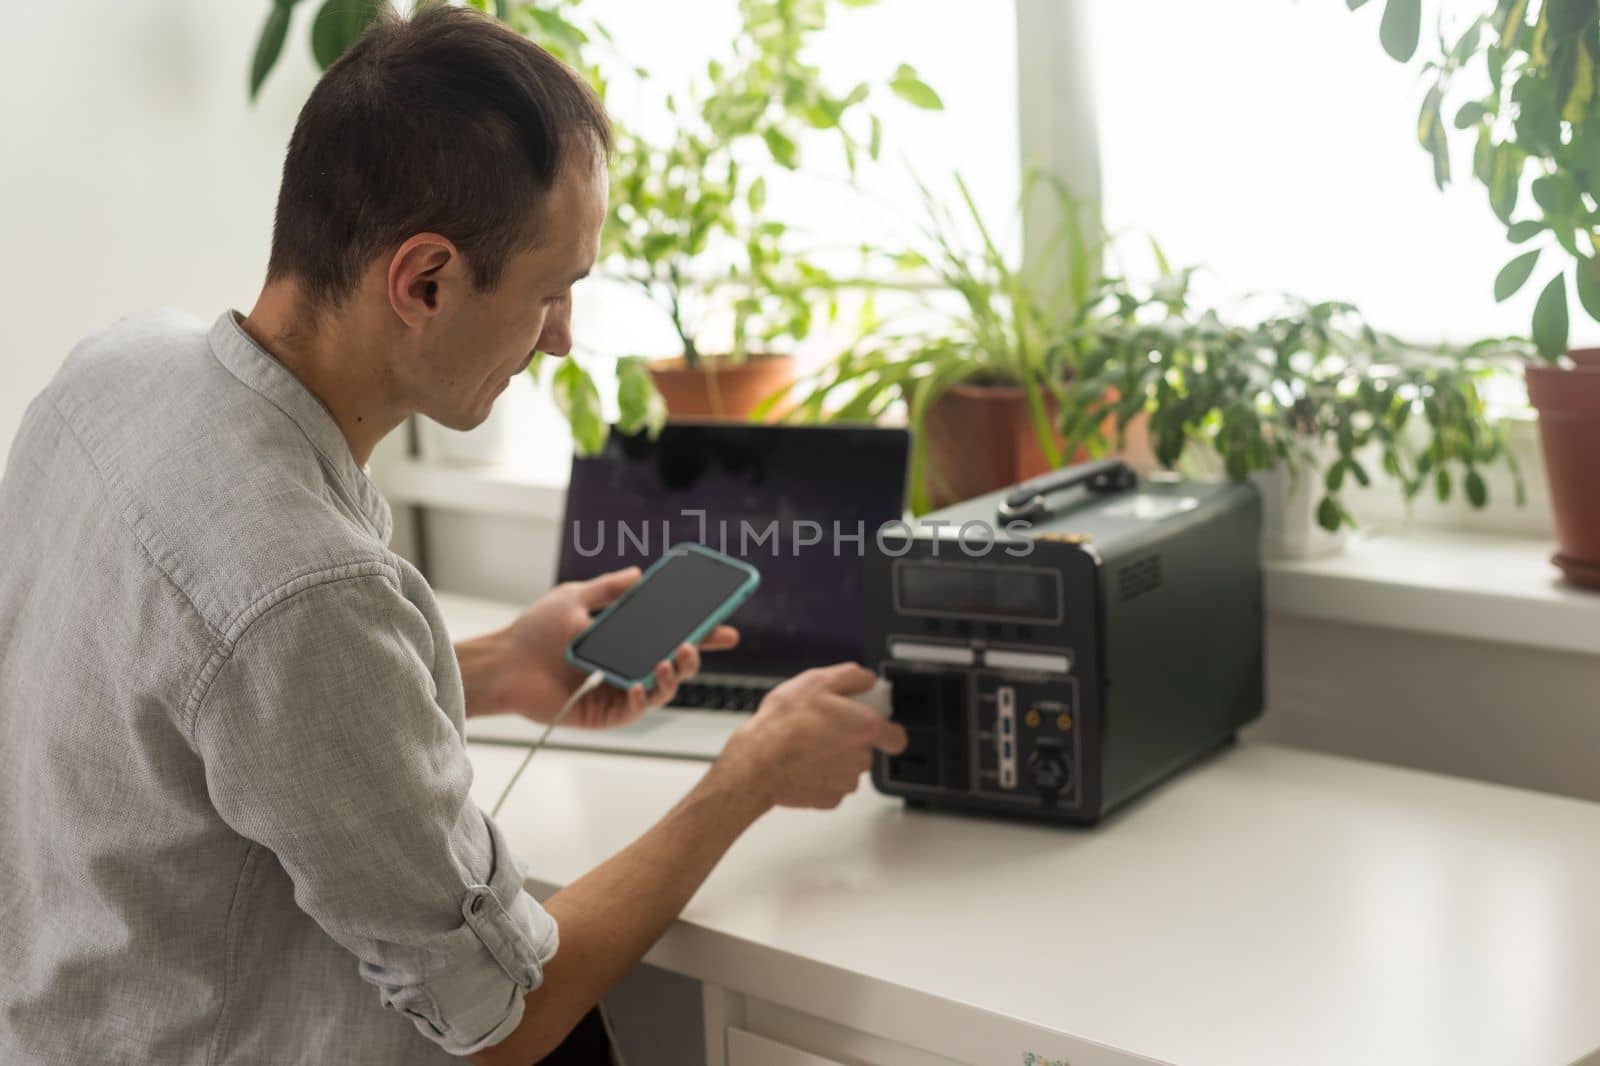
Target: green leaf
1516, 18
554, 32
757, 194
1431, 133
1580, 91
1514, 275
1400, 28
270, 44
1483, 156
1518, 232
783, 150
1441, 484
1468, 44
875, 143
1538, 120
1333, 481
579, 401
1507, 173
1586, 153
1477, 491
1355, 4
1471, 114
1557, 193
1330, 515
1569, 16
640, 405
913, 90
1588, 286
1550, 319
336, 27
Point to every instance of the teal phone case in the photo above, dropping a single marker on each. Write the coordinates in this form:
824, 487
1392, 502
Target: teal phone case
728, 606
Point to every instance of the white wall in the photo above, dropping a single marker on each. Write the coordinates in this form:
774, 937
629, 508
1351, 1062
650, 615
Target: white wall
135, 172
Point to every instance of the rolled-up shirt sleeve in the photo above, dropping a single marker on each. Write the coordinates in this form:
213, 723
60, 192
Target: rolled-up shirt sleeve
324, 741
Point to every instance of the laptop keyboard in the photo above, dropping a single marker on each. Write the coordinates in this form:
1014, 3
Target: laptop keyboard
698, 696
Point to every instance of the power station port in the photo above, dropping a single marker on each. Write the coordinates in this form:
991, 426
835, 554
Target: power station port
1048, 767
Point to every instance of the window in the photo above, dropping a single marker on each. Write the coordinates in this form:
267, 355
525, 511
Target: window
1276, 144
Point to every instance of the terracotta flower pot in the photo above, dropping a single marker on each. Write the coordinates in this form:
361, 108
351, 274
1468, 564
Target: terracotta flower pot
719, 389
1568, 402
980, 438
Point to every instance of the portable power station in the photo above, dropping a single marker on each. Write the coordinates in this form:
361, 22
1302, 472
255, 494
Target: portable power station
1058, 648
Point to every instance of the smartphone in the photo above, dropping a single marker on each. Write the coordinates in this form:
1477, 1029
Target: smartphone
677, 601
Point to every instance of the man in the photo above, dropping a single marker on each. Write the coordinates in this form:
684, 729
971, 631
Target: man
234, 814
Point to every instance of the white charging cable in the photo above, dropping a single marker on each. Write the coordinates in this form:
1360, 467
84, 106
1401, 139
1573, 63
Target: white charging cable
590, 683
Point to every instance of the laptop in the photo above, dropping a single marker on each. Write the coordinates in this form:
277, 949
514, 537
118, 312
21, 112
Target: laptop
800, 503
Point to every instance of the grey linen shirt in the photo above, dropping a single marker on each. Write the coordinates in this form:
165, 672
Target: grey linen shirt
234, 813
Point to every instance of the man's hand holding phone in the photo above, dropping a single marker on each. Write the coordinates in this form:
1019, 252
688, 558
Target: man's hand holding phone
523, 668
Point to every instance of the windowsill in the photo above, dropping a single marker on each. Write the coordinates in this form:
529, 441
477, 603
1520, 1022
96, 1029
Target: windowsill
1468, 585
1477, 586
497, 490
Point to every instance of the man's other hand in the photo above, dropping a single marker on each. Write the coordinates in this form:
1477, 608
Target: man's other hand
810, 742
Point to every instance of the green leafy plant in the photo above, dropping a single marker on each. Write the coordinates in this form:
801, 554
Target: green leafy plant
1521, 80
987, 321
690, 222
1310, 387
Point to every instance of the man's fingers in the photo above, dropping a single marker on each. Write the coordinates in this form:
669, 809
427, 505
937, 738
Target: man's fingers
597, 592
666, 685
687, 661
892, 738
844, 678
721, 639
884, 735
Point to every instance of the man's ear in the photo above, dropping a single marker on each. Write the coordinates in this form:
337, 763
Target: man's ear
420, 271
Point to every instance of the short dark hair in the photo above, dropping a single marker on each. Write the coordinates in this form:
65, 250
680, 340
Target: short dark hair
446, 122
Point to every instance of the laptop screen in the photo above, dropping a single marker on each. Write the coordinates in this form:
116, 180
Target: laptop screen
773, 496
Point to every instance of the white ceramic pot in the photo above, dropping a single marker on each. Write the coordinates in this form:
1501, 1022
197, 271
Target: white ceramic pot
1289, 528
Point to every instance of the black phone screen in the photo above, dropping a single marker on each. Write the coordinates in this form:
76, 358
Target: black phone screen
659, 613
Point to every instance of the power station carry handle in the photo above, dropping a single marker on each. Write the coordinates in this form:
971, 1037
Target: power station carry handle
1030, 501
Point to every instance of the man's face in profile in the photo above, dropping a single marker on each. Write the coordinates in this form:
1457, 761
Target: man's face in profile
487, 338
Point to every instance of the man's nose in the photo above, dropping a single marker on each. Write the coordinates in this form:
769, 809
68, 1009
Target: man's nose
556, 339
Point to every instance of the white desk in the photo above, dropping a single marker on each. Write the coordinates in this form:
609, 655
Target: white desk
1271, 907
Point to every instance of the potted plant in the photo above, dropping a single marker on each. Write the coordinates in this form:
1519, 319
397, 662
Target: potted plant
1539, 118
690, 223
983, 375
1308, 400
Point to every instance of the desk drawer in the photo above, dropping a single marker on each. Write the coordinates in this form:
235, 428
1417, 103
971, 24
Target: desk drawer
747, 1049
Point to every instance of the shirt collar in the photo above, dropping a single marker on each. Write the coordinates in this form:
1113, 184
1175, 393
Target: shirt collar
260, 370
